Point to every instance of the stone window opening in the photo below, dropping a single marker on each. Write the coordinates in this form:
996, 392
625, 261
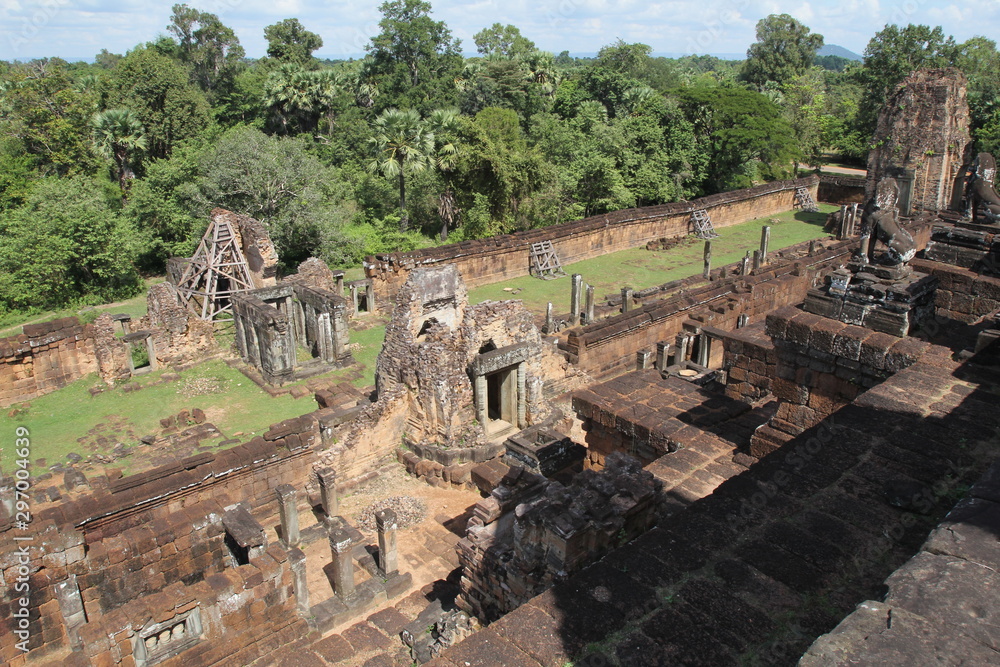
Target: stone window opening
499, 384
160, 641
501, 396
426, 326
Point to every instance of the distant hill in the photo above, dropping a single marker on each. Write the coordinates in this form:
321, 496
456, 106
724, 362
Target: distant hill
839, 51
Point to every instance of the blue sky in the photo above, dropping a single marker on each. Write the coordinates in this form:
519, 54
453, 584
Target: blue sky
81, 28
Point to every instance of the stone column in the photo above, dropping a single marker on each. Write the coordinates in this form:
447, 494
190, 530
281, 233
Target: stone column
297, 564
481, 406
706, 274
71, 606
590, 304
854, 219
550, 323
325, 338
745, 265
642, 359
662, 356
328, 491
765, 238
522, 399
704, 345
756, 261
575, 299
680, 353
844, 223
863, 247
626, 299
288, 514
388, 557
343, 563
339, 285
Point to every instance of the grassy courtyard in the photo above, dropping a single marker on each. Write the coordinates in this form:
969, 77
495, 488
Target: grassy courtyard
639, 268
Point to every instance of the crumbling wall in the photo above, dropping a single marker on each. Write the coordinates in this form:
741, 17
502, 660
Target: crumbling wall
256, 244
499, 258
962, 295
750, 362
314, 272
45, 357
920, 139
179, 337
425, 371
610, 345
840, 189
530, 533
822, 365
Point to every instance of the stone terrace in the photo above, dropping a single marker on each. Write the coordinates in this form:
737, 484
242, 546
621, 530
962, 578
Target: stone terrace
777, 555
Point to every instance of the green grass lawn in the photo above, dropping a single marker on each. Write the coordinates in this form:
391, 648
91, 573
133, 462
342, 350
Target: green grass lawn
136, 307
60, 420
639, 268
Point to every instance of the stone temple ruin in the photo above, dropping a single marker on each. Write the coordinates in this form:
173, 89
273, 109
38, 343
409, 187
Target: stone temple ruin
788, 459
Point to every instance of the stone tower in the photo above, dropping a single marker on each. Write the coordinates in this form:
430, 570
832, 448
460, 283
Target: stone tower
921, 139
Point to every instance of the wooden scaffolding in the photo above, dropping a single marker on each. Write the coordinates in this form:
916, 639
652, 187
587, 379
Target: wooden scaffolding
702, 225
545, 262
217, 270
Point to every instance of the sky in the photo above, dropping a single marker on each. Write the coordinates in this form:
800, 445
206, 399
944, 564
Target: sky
79, 29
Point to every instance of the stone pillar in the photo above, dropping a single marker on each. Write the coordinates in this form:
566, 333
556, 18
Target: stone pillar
326, 347
328, 491
481, 406
300, 585
626, 299
707, 272
522, 401
642, 359
550, 323
680, 353
590, 304
765, 238
854, 218
575, 299
745, 265
388, 557
71, 606
288, 514
863, 247
343, 563
756, 261
844, 223
662, 356
339, 285
704, 346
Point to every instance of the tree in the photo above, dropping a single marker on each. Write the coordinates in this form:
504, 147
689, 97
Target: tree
42, 109
64, 245
212, 49
742, 130
277, 181
444, 124
414, 55
118, 135
784, 50
402, 143
504, 41
289, 41
158, 91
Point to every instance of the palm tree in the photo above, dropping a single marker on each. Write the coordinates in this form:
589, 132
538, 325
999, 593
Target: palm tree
118, 135
444, 124
402, 142
288, 93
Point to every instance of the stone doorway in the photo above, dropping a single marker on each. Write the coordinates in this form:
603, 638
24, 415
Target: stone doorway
502, 397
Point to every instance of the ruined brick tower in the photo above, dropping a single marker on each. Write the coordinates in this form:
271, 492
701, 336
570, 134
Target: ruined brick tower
921, 138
